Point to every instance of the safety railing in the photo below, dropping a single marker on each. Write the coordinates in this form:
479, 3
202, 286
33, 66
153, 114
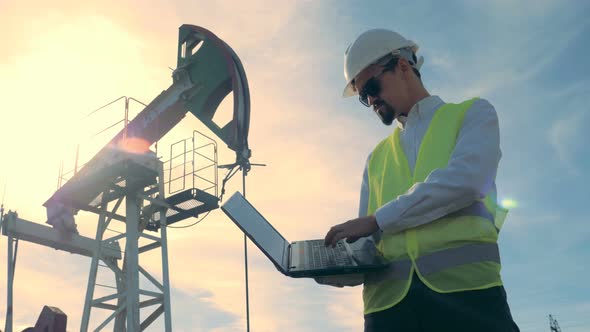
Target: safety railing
193, 162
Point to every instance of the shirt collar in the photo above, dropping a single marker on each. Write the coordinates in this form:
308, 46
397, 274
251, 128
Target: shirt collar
425, 106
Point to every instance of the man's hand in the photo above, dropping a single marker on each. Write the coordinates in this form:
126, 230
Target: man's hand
352, 230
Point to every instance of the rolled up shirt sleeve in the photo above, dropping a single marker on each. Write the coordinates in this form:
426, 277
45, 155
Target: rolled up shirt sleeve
468, 176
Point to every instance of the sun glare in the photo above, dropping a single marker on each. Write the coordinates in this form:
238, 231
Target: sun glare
135, 145
509, 203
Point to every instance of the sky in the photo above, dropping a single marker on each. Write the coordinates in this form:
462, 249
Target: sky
60, 60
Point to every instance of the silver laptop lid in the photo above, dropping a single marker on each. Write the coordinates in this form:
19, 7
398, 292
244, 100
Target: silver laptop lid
258, 229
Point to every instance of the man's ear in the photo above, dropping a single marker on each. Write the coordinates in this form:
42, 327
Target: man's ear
405, 68
404, 65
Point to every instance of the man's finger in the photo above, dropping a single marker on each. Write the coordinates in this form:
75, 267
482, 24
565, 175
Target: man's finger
339, 236
331, 238
328, 237
331, 233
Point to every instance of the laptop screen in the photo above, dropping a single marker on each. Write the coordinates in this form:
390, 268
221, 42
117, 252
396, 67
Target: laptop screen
260, 231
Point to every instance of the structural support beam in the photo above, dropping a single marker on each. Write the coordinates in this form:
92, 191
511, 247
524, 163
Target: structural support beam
9, 286
132, 261
105, 306
151, 278
107, 298
110, 318
47, 236
151, 318
100, 228
164, 243
150, 302
150, 246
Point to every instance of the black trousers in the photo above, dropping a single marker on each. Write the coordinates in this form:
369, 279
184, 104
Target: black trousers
424, 310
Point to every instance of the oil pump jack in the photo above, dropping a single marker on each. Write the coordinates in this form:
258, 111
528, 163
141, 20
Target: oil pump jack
207, 71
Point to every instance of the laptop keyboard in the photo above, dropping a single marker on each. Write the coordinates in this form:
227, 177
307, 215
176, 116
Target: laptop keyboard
320, 256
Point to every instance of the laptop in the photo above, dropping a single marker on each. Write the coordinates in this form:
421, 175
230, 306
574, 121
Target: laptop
300, 259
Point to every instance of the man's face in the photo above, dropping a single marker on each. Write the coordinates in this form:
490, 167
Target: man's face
390, 89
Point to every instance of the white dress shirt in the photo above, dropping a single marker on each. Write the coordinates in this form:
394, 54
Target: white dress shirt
469, 175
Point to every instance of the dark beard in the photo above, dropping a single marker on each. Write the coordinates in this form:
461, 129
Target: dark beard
388, 115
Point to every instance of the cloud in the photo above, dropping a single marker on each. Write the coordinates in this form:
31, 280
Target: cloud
192, 310
518, 49
567, 140
253, 24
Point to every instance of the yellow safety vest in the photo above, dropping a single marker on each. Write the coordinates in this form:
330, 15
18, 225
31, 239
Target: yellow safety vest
455, 253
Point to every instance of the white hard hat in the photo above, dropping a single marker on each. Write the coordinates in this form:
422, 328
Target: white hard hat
369, 47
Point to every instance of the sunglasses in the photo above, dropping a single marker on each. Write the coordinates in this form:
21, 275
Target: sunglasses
372, 88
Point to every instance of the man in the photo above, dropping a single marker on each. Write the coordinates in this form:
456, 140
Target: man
428, 198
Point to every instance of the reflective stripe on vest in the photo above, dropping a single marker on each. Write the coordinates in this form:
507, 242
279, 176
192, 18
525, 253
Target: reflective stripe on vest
437, 261
471, 253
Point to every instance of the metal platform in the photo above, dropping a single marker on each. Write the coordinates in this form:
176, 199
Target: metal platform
182, 205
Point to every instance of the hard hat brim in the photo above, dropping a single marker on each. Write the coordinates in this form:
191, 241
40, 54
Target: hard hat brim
349, 91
